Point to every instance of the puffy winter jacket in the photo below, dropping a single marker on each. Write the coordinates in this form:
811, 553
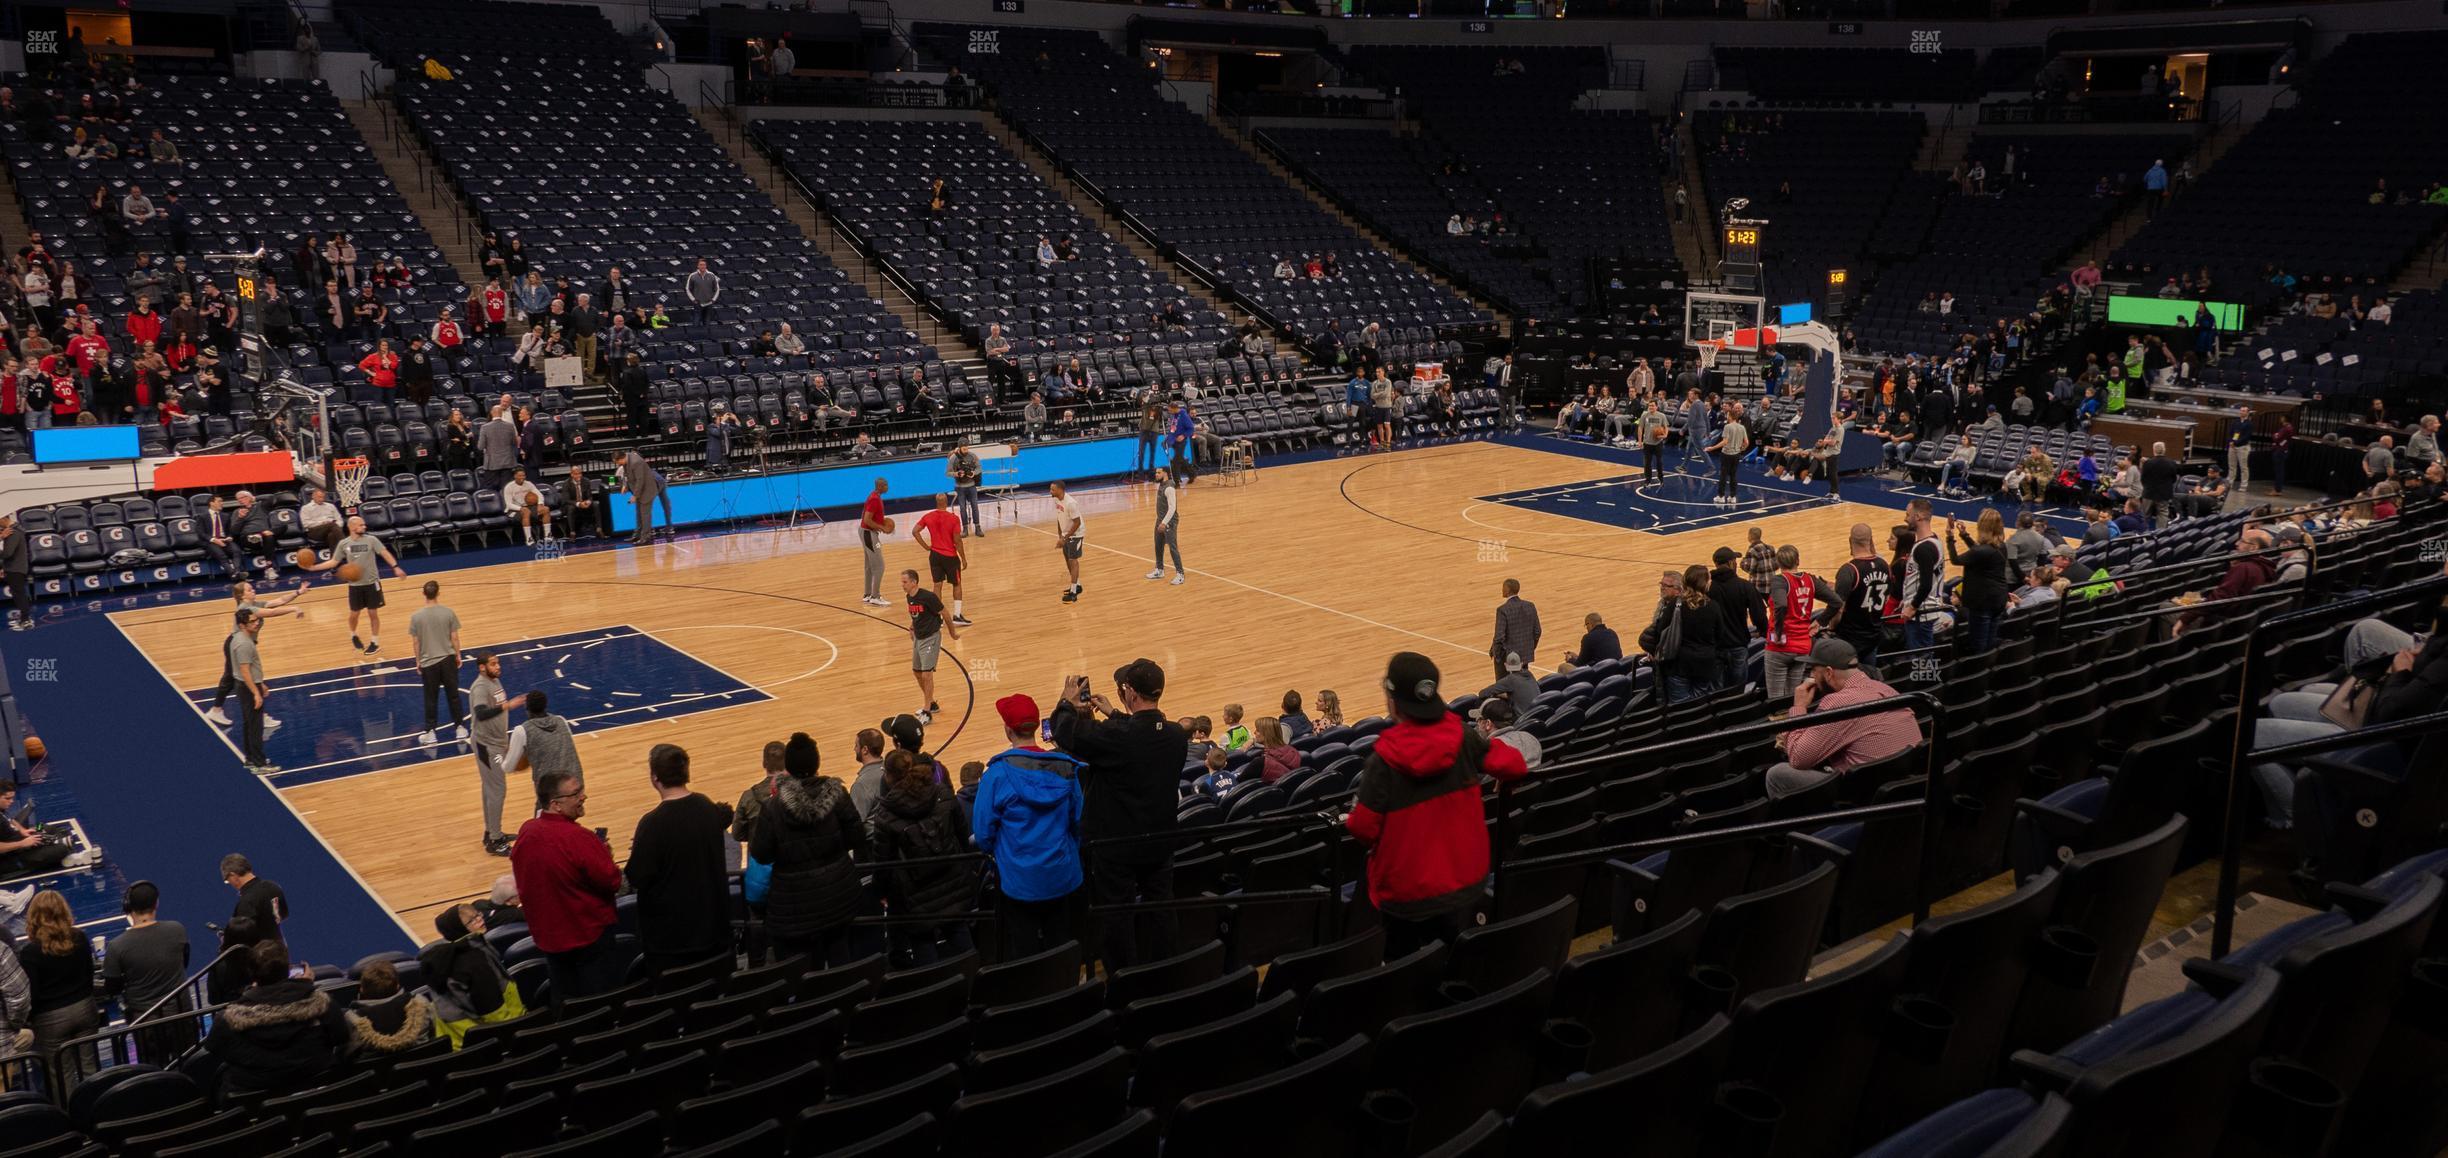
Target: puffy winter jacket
809, 834
277, 1038
1418, 811
913, 825
1027, 817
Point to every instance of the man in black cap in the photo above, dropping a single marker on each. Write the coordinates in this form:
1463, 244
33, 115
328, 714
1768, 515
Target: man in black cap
1417, 809
1133, 782
1744, 608
1822, 752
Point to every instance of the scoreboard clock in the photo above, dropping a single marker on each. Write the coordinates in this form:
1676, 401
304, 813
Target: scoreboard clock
1742, 244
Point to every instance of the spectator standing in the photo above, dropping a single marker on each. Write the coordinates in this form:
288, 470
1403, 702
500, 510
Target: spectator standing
676, 865
811, 835
2159, 474
704, 288
60, 967
497, 448
1795, 601
1987, 583
1921, 577
566, 883
1027, 816
1417, 810
1517, 629
752, 802
1745, 609
917, 818
1134, 758
146, 964
1818, 753
1859, 609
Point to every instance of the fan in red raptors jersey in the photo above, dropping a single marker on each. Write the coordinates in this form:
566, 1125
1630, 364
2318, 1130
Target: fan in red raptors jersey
1794, 600
445, 334
496, 307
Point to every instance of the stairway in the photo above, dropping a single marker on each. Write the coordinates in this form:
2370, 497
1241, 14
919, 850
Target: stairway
1504, 321
1944, 143
2123, 226
13, 222
1052, 174
1693, 236
733, 135
420, 182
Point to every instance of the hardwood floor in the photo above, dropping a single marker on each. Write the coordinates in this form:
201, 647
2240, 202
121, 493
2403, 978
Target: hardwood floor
1305, 577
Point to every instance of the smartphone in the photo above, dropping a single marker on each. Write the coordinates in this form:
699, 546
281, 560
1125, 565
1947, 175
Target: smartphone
297, 973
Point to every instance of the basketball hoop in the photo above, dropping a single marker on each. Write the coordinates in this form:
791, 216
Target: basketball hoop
1709, 349
348, 477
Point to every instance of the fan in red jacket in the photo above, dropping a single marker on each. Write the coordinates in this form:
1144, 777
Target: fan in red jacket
566, 881
143, 325
1418, 810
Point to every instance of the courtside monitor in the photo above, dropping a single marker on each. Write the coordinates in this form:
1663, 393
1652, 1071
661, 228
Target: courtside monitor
69, 445
2132, 310
1793, 315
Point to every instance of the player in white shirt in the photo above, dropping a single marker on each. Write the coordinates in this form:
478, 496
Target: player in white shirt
1070, 536
522, 498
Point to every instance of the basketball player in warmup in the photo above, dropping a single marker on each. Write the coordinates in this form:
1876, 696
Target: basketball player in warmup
244, 593
247, 663
521, 498
1168, 528
355, 560
434, 629
939, 531
927, 629
489, 734
874, 524
1070, 536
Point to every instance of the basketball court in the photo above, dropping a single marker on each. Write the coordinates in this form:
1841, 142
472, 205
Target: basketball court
1306, 576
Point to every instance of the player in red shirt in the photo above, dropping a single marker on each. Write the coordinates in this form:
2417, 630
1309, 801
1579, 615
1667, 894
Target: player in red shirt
939, 531
873, 526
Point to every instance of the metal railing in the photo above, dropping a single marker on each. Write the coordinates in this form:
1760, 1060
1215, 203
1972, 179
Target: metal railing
158, 1035
2257, 684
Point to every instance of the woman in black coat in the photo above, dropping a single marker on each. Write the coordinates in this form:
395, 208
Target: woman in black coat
810, 834
1703, 638
917, 817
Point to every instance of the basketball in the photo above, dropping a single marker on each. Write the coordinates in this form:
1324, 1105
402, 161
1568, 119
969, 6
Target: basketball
351, 572
305, 557
35, 750
888, 524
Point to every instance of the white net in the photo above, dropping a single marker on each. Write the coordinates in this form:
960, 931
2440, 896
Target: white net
348, 479
1709, 349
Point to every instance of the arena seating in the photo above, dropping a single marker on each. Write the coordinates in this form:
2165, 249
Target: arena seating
2336, 356
1210, 204
1844, 168
977, 262
229, 133
1576, 183
2000, 252
1849, 74
1408, 188
2295, 192
604, 171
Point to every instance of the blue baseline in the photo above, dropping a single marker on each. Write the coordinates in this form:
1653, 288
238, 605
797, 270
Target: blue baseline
150, 782
846, 486
349, 721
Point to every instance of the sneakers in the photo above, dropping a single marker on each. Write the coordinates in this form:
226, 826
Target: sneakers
875, 601
497, 845
426, 737
1156, 574
924, 716
356, 643
1070, 594
372, 647
271, 725
961, 621
264, 769
218, 717
21, 625
1179, 579
81, 859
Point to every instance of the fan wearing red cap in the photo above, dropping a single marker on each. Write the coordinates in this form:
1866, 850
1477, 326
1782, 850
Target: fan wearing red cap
1027, 817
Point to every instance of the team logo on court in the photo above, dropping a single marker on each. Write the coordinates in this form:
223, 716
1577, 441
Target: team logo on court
548, 551
984, 671
42, 671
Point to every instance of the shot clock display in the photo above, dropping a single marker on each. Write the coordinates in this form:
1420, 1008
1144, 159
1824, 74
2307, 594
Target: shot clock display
1742, 243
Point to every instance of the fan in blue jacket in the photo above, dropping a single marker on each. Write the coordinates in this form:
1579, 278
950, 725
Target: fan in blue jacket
1028, 811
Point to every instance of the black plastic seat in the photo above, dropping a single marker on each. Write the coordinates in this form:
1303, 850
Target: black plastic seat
909, 981
2081, 963
1455, 1064
1364, 1002
1195, 966
888, 1063
1041, 974
1298, 972
1630, 995
1667, 1099
914, 1138
638, 1136
1303, 1110
876, 1111
705, 1120
1133, 1137
661, 1087
523, 1126
1812, 1045
1198, 1005
2170, 1098
912, 1012
1763, 939
763, 1140
1494, 956
1257, 1041
748, 1059
1039, 1116
1006, 1025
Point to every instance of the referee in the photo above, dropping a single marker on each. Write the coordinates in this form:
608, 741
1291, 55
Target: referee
434, 630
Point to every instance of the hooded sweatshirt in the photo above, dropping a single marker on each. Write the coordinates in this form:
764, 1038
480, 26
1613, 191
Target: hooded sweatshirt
277, 1037
1027, 816
910, 824
809, 834
1418, 811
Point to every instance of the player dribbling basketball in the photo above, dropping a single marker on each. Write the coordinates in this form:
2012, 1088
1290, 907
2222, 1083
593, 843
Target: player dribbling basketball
939, 531
355, 560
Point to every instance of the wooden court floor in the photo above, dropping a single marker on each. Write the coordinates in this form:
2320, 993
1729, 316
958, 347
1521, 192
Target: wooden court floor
1305, 576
